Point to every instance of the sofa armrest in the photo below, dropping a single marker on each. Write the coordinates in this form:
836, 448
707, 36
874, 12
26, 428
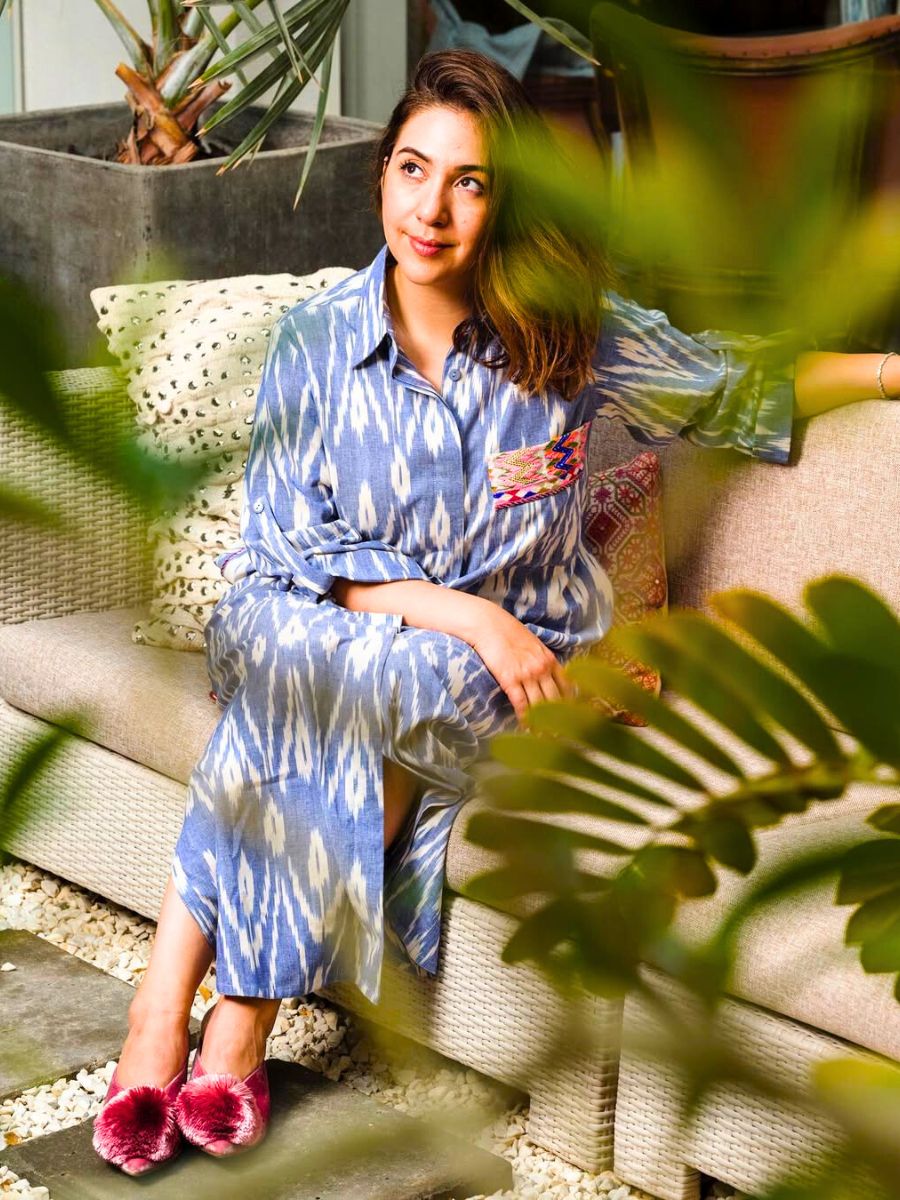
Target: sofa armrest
101, 557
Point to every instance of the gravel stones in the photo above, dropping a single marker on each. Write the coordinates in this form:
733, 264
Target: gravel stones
308, 1030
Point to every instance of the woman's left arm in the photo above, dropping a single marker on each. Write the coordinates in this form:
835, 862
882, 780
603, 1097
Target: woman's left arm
824, 380
720, 388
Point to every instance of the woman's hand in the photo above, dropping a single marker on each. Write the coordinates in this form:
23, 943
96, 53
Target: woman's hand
524, 667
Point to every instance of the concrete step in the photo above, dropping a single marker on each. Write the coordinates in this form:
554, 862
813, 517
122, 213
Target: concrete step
396, 1156
57, 1013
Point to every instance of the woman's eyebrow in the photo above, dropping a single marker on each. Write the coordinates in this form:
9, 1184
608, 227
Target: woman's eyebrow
425, 158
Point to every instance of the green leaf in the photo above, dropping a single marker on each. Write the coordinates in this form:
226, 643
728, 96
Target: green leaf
29, 763
29, 349
861, 694
316, 14
301, 68
26, 510
697, 680
725, 839
542, 795
880, 954
499, 831
864, 1094
326, 34
509, 882
138, 50
533, 754
856, 621
863, 697
318, 123
579, 721
760, 687
676, 869
539, 934
220, 40
874, 917
777, 630
886, 818
166, 31
868, 870
603, 680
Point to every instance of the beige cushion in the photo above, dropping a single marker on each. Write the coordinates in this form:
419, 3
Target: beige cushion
193, 351
792, 958
148, 704
791, 955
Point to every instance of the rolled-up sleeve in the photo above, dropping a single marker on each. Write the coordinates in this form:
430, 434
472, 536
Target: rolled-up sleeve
716, 389
290, 524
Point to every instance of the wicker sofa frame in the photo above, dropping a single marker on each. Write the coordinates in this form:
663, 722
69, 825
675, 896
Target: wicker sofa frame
109, 823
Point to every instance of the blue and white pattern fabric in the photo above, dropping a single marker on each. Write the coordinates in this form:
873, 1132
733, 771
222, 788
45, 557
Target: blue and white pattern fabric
360, 469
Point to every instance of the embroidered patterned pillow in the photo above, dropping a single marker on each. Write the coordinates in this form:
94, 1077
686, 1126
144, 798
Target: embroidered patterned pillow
193, 351
623, 527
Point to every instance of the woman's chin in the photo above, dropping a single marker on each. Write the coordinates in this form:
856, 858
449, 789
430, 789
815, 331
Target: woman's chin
423, 269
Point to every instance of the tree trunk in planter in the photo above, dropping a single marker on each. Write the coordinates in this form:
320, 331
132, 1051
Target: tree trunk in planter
72, 219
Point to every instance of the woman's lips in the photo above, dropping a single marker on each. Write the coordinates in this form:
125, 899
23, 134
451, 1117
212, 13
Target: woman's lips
426, 249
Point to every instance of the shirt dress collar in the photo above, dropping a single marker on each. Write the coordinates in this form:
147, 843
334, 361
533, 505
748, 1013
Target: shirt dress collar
374, 321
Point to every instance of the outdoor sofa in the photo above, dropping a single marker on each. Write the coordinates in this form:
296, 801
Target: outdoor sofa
107, 811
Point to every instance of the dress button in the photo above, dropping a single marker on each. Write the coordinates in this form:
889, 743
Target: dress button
258, 506
455, 374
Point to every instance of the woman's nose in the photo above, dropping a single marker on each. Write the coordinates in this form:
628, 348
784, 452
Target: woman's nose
432, 208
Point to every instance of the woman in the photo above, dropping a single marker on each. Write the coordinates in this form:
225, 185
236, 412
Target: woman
413, 579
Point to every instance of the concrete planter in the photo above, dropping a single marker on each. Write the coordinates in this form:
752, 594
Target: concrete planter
70, 221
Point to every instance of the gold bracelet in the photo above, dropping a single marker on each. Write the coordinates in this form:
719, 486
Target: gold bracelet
880, 375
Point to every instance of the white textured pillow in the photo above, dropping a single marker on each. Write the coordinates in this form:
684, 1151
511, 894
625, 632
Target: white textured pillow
193, 351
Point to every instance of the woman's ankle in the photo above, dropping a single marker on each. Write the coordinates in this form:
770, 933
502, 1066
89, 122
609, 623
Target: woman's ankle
147, 1009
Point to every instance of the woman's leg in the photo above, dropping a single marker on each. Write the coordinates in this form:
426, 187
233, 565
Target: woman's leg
158, 1015
401, 788
236, 1036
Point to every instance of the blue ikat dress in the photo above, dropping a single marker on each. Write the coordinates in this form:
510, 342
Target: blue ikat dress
359, 469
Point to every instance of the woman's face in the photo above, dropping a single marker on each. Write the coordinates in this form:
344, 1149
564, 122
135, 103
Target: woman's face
434, 197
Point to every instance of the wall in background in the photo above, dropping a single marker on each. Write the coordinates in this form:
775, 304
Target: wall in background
375, 57
56, 76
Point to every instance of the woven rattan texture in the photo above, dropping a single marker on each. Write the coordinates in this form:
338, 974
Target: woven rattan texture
738, 1137
92, 816
507, 1021
99, 559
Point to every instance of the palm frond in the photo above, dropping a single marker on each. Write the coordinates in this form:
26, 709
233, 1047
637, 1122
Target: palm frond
139, 52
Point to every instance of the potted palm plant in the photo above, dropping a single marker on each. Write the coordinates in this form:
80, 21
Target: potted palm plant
79, 207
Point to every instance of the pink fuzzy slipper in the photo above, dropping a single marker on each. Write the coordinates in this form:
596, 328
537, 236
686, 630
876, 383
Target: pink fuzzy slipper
136, 1129
221, 1113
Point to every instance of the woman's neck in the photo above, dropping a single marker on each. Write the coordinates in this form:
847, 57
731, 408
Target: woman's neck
424, 313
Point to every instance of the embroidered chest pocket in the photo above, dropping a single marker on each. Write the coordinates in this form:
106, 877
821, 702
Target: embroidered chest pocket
532, 472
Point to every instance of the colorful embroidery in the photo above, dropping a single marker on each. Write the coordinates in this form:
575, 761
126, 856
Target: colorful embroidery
531, 472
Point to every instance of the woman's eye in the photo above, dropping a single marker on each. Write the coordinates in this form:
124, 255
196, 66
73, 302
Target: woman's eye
409, 163
477, 189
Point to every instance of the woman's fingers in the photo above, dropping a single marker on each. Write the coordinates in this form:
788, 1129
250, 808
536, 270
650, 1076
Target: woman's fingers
565, 684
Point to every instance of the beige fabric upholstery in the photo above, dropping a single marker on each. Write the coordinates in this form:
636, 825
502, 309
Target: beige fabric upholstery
150, 705
733, 522
791, 957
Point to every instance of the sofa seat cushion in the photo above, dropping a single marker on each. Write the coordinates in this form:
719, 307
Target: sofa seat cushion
149, 704
791, 957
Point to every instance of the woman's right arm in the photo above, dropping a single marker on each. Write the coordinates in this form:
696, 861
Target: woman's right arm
523, 666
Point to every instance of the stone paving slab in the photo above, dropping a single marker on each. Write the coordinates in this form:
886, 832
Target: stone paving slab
308, 1111
57, 1013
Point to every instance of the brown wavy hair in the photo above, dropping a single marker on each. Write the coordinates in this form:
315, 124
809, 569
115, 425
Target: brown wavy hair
526, 254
